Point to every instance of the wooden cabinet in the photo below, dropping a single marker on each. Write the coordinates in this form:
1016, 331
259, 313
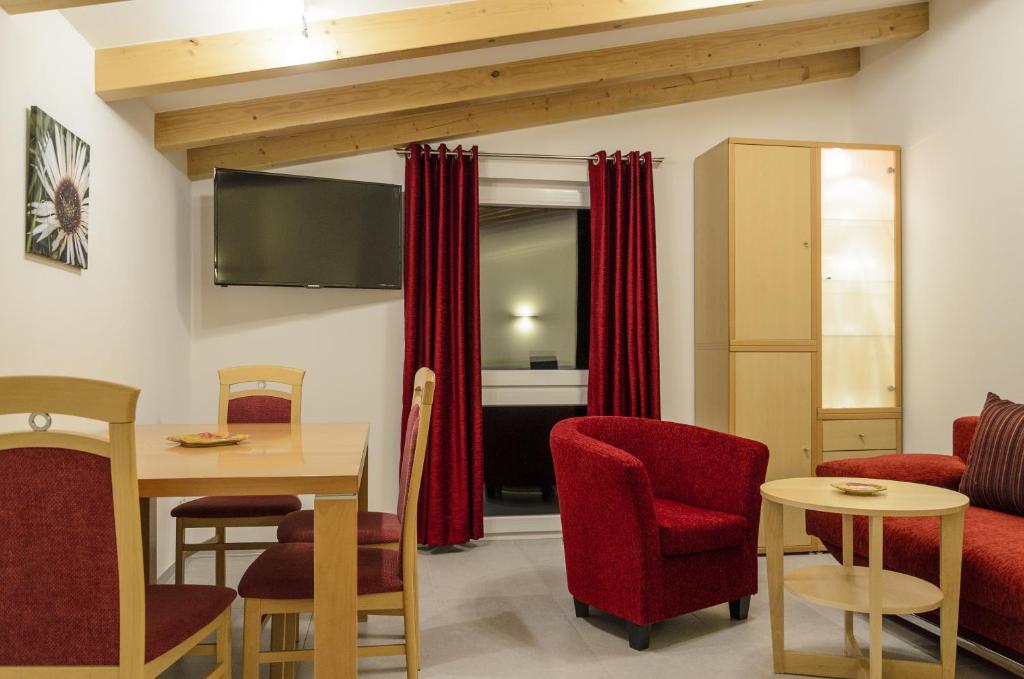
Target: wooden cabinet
797, 302
772, 263
785, 380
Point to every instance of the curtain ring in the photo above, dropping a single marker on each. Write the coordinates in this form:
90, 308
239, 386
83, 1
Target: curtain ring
35, 426
595, 159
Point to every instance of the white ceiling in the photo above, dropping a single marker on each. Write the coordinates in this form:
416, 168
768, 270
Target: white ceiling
124, 23
136, 21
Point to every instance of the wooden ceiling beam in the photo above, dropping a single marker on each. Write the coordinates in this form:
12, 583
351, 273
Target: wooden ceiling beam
496, 116
24, 6
319, 109
172, 65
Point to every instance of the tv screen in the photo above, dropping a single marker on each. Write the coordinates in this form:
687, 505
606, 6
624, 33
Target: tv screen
277, 229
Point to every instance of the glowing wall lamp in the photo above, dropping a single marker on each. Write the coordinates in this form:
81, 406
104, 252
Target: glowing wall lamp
525, 316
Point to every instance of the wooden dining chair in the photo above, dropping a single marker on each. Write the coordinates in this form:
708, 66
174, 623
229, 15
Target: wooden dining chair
260, 405
280, 581
72, 596
380, 529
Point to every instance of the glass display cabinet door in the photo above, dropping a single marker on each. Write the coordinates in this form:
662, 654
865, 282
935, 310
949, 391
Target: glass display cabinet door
858, 271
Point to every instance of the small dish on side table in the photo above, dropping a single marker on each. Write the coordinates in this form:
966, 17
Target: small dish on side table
859, 487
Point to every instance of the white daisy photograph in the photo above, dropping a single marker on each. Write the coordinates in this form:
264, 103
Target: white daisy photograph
57, 218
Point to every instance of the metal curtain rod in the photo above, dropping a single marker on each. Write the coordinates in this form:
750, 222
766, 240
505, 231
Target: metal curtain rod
522, 156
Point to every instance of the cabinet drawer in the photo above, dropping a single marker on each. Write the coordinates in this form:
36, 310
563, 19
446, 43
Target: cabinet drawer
858, 435
833, 455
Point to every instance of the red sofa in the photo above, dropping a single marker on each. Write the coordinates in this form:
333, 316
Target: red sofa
658, 519
992, 582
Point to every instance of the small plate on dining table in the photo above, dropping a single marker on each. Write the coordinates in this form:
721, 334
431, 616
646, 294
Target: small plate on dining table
207, 439
859, 487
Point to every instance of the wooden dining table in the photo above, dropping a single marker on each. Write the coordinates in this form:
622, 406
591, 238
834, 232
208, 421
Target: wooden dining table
324, 460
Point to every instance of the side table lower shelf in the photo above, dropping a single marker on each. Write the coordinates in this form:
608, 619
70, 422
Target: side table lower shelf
848, 589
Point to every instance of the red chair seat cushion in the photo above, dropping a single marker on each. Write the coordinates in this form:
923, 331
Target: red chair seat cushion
375, 528
176, 612
237, 506
690, 530
992, 576
285, 571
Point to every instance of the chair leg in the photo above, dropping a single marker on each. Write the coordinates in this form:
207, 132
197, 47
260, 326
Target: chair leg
412, 635
291, 636
739, 609
639, 636
416, 600
252, 628
222, 557
224, 645
277, 641
179, 554
582, 609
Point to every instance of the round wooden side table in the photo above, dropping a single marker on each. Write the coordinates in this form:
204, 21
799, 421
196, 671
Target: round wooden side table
870, 589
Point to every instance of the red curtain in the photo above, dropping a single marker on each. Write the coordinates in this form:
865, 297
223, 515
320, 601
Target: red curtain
624, 365
442, 331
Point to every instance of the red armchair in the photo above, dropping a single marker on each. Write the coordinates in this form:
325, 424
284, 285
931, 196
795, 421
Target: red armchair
658, 519
992, 585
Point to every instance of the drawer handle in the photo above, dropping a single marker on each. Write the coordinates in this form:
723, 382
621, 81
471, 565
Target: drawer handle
891, 387
861, 436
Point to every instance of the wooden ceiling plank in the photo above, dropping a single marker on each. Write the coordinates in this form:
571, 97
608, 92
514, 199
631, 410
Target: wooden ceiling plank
151, 68
484, 118
318, 109
25, 6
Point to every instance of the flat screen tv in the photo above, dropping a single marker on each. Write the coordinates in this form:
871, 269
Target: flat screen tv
284, 230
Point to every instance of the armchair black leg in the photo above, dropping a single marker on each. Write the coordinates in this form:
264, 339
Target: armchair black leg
738, 609
639, 636
582, 609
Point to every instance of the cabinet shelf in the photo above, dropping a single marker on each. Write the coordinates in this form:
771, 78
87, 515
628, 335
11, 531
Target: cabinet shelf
858, 281
847, 589
830, 222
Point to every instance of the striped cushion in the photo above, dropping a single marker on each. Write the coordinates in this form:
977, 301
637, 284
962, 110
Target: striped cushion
995, 467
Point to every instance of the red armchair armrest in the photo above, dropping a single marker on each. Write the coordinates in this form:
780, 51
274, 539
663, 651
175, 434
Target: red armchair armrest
608, 526
943, 471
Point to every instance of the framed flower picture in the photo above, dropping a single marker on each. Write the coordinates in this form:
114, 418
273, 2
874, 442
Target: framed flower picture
57, 216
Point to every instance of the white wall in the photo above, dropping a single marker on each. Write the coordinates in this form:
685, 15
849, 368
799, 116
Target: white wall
126, 318
351, 341
953, 99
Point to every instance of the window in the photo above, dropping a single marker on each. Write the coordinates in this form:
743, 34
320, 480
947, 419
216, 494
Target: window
534, 287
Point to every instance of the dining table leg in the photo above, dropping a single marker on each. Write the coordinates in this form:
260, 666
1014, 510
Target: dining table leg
335, 589
364, 503
364, 486
147, 514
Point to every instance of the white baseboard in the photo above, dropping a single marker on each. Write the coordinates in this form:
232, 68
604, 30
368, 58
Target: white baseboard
522, 527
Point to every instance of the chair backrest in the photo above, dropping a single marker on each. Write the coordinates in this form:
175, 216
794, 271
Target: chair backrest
414, 456
260, 405
71, 584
